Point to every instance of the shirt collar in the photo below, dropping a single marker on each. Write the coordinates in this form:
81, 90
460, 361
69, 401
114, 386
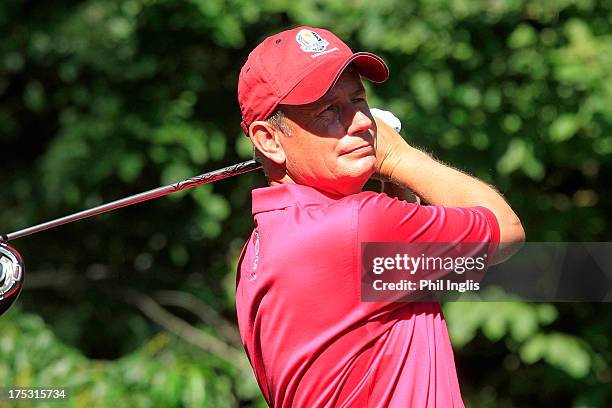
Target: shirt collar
286, 195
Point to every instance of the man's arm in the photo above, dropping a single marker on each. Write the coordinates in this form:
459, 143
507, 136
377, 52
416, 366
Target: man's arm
438, 184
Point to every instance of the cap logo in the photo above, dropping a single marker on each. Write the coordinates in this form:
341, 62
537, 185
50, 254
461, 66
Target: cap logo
310, 41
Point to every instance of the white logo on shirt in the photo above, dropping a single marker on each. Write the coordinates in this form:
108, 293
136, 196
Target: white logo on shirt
253, 275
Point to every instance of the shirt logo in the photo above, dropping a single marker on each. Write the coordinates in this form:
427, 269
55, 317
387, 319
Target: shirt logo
253, 273
310, 41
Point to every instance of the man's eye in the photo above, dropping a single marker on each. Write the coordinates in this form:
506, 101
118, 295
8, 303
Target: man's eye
358, 100
328, 109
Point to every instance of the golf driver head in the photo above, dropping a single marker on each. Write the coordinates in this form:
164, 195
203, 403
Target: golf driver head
11, 276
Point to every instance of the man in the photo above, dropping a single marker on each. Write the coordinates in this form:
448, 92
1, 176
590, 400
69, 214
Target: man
309, 338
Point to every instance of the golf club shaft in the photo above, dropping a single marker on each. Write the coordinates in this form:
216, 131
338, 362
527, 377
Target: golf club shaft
205, 178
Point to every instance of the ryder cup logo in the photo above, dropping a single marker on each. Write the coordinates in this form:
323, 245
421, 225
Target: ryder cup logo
310, 41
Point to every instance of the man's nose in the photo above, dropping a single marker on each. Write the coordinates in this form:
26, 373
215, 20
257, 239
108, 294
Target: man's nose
360, 123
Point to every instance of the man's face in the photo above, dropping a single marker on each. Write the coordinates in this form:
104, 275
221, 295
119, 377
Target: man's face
331, 141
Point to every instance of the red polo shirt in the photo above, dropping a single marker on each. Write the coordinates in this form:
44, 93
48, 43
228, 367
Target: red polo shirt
309, 338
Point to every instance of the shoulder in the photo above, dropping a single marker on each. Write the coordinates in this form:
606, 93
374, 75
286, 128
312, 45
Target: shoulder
370, 204
372, 199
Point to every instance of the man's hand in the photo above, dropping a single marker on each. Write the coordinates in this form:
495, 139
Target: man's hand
389, 145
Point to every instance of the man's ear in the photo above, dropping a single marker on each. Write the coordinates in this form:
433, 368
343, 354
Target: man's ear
266, 139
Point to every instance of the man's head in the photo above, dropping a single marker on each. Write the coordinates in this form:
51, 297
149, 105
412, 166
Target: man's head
304, 108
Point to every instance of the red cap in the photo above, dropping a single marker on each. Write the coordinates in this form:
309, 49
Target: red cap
296, 67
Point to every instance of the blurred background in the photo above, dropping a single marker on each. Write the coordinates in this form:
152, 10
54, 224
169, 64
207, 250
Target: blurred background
100, 99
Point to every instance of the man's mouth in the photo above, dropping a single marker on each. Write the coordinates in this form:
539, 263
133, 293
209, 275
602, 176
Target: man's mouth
362, 148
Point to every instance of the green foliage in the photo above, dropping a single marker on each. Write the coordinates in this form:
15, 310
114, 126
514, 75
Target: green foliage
101, 99
522, 326
163, 372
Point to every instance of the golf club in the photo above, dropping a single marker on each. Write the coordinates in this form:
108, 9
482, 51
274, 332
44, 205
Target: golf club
12, 270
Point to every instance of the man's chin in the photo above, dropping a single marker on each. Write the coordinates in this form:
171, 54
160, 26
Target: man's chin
357, 176
362, 168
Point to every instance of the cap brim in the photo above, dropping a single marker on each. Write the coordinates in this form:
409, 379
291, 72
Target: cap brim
316, 84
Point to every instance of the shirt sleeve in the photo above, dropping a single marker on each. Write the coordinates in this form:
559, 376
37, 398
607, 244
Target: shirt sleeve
386, 224
385, 219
